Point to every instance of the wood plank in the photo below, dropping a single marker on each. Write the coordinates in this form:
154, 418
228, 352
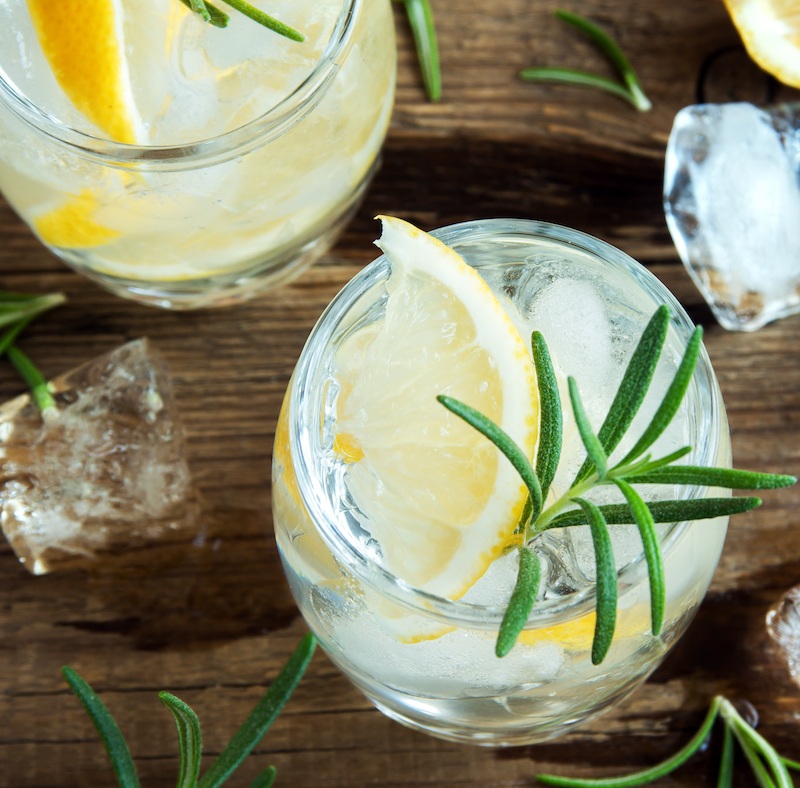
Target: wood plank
214, 621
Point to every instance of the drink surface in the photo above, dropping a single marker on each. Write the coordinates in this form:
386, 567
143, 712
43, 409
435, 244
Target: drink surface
430, 663
185, 80
276, 139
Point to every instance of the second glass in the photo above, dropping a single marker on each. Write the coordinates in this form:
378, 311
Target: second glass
250, 152
427, 661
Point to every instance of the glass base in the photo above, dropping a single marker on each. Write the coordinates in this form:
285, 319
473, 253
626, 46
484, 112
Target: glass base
249, 279
548, 721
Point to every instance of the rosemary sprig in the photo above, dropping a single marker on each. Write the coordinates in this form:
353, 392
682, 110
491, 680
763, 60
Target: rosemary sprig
628, 89
211, 14
262, 716
40, 391
573, 508
423, 28
188, 725
18, 307
768, 767
17, 310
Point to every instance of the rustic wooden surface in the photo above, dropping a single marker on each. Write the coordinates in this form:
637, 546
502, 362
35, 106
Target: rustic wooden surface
214, 624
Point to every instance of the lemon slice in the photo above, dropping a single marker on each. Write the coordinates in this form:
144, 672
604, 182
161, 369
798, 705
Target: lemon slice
439, 498
770, 31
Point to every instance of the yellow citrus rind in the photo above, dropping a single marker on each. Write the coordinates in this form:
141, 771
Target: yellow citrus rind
72, 224
770, 32
81, 40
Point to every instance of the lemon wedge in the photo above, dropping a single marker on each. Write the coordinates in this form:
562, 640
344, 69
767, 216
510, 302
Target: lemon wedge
71, 225
439, 498
770, 31
89, 45
83, 43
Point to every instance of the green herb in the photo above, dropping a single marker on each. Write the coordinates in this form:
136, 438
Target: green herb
628, 89
40, 391
188, 725
551, 422
17, 310
207, 12
521, 602
769, 768
423, 28
18, 307
190, 739
606, 620
211, 14
573, 508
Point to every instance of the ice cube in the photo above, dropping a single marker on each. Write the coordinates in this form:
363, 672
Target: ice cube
783, 625
105, 473
732, 202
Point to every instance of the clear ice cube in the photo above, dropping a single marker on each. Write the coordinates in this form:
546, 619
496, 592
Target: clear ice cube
105, 473
732, 202
783, 625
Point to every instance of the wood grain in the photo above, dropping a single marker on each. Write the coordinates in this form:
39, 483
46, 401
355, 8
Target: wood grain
213, 623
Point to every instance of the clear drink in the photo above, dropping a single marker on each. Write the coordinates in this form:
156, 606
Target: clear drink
427, 661
234, 155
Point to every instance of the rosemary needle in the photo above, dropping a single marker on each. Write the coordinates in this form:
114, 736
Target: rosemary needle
568, 76
189, 736
629, 89
423, 28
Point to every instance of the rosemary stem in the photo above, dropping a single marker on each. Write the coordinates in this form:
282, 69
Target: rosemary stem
40, 392
647, 775
9, 336
749, 739
207, 12
268, 21
550, 513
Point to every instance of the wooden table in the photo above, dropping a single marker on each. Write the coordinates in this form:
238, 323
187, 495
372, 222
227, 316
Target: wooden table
214, 625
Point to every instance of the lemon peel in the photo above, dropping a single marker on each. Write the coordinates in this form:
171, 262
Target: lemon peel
82, 41
72, 226
770, 31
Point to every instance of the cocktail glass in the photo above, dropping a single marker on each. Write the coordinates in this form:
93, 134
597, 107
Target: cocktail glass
256, 150
429, 662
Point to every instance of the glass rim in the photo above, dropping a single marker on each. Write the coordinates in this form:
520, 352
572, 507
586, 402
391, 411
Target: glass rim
458, 612
254, 133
